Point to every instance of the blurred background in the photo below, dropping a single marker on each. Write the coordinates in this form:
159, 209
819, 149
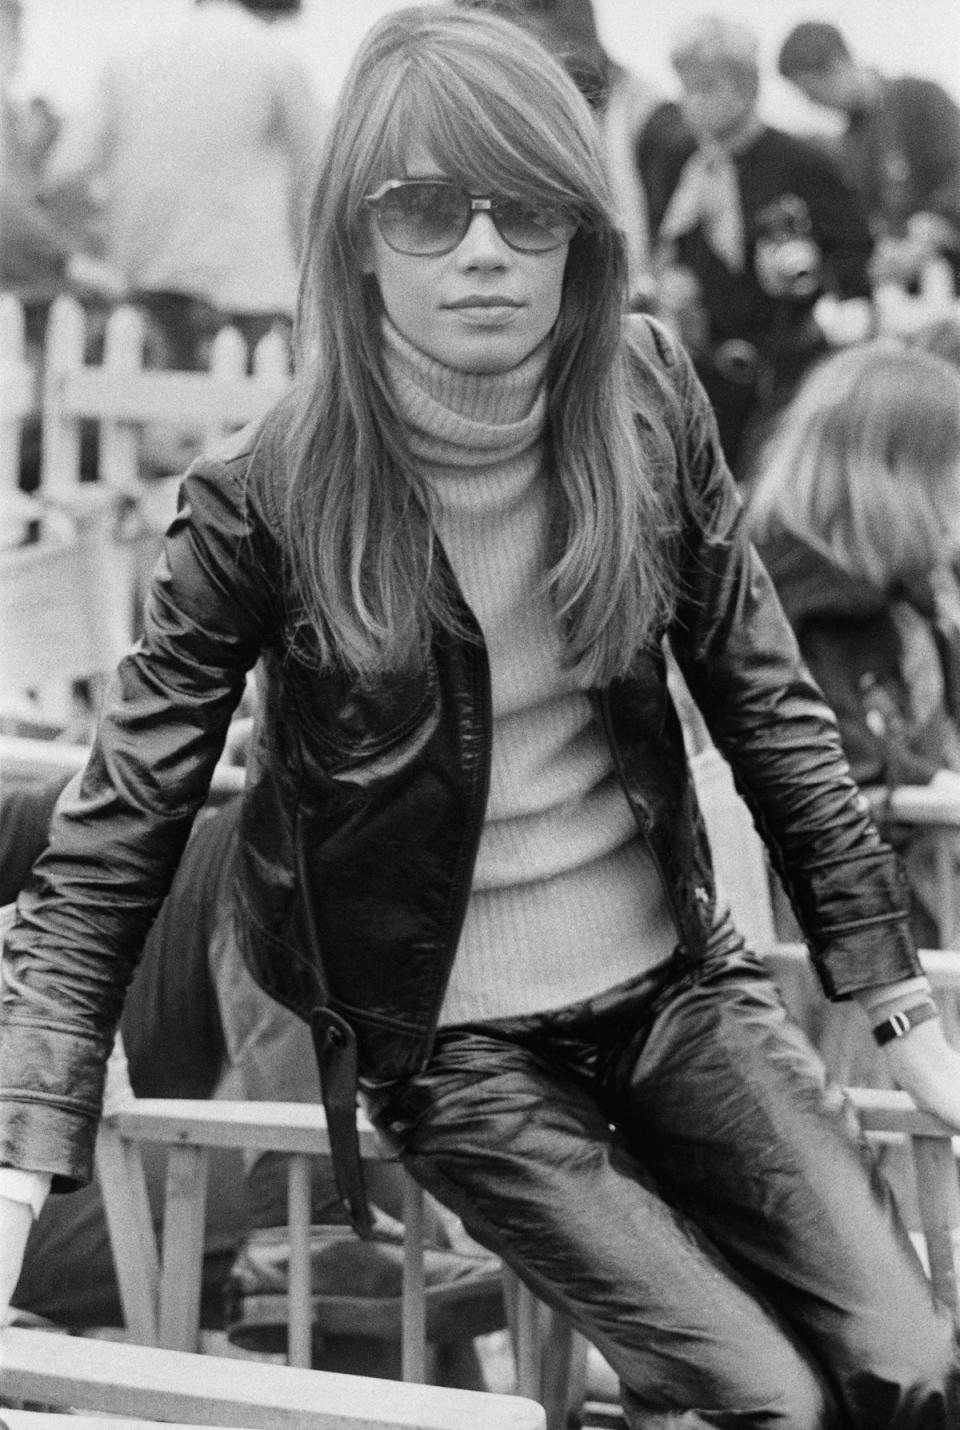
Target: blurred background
66, 40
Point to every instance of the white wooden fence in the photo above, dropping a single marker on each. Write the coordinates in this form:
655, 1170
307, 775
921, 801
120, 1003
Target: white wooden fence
67, 599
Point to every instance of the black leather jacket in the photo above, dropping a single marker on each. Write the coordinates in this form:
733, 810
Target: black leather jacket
363, 808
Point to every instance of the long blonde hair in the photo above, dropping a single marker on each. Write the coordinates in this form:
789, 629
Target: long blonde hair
499, 114
865, 463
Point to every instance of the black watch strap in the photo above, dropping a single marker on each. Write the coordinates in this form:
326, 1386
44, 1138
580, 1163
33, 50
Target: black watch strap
900, 1023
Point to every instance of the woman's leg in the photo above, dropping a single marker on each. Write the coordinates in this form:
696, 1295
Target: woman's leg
520, 1149
726, 1103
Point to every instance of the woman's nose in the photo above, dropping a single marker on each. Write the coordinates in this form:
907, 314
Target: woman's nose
481, 245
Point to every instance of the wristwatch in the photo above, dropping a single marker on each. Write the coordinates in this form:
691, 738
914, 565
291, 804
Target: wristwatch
900, 1023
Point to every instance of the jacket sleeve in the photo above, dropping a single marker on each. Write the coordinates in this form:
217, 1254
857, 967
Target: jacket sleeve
120, 827
740, 659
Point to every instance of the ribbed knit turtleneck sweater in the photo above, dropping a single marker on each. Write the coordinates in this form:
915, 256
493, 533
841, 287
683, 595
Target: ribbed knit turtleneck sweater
565, 901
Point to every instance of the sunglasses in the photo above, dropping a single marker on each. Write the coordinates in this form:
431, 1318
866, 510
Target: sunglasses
429, 217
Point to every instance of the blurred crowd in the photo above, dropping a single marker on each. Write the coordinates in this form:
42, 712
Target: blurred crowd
181, 187
775, 256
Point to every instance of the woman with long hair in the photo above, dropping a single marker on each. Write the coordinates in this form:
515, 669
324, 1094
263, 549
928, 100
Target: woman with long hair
856, 512
470, 853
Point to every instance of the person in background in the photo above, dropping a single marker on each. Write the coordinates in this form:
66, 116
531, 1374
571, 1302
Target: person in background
199, 144
40, 256
856, 513
749, 225
900, 149
470, 854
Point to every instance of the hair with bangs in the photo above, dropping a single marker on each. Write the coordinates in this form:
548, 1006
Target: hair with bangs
865, 463
498, 113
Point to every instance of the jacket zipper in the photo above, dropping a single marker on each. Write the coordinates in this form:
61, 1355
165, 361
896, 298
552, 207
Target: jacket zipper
464, 877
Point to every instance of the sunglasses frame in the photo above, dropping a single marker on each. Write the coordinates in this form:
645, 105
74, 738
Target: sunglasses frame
478, 203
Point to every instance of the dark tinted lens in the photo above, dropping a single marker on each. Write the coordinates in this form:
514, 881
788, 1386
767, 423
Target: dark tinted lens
534, 227
424, 217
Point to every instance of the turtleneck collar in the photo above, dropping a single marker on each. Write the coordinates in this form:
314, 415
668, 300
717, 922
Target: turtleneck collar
465, 419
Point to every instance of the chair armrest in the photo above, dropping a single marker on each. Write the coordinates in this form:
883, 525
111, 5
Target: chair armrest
297, 1127
916, 804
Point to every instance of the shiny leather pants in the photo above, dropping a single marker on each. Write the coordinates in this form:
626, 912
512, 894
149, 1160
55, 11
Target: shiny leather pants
665, 1165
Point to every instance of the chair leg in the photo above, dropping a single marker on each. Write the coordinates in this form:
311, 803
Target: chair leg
300, 1311
563, 1375
130, 1225
523, 1311
413, 1313
550, 1356
183, 1222
939, 1198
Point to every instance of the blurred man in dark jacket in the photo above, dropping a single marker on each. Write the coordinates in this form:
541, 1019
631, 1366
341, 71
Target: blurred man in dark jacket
900, 150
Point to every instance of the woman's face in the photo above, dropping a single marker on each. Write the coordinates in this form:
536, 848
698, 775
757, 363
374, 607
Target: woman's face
483, 307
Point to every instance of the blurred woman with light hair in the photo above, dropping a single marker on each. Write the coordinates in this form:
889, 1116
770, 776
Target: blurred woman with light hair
856, 513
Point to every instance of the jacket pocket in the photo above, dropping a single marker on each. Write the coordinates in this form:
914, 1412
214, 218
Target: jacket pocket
361, 734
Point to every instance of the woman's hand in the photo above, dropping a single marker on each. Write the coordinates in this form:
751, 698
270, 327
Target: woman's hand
16, 1218
924, 1065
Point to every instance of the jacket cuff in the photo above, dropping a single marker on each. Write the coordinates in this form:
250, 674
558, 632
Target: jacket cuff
51, 1092
854, 913
45, 1138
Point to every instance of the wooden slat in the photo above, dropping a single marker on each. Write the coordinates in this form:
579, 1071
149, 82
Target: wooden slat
52, 1420
184, 1210
183, 399
888, 1110
414, 1338
939, 1197
209, 1390
130, 1227
921, 804
300, 1311
253, 1126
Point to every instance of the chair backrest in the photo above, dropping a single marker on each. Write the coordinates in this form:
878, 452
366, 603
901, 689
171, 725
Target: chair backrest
41, 1367
160, 1288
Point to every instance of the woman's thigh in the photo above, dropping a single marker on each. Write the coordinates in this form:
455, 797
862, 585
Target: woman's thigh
523, 1153
729, 1107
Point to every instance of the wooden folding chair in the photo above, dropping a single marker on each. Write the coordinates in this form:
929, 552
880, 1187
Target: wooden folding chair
116, 1378
160, 1287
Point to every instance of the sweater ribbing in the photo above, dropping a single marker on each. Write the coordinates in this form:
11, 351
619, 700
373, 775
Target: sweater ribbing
565, 901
